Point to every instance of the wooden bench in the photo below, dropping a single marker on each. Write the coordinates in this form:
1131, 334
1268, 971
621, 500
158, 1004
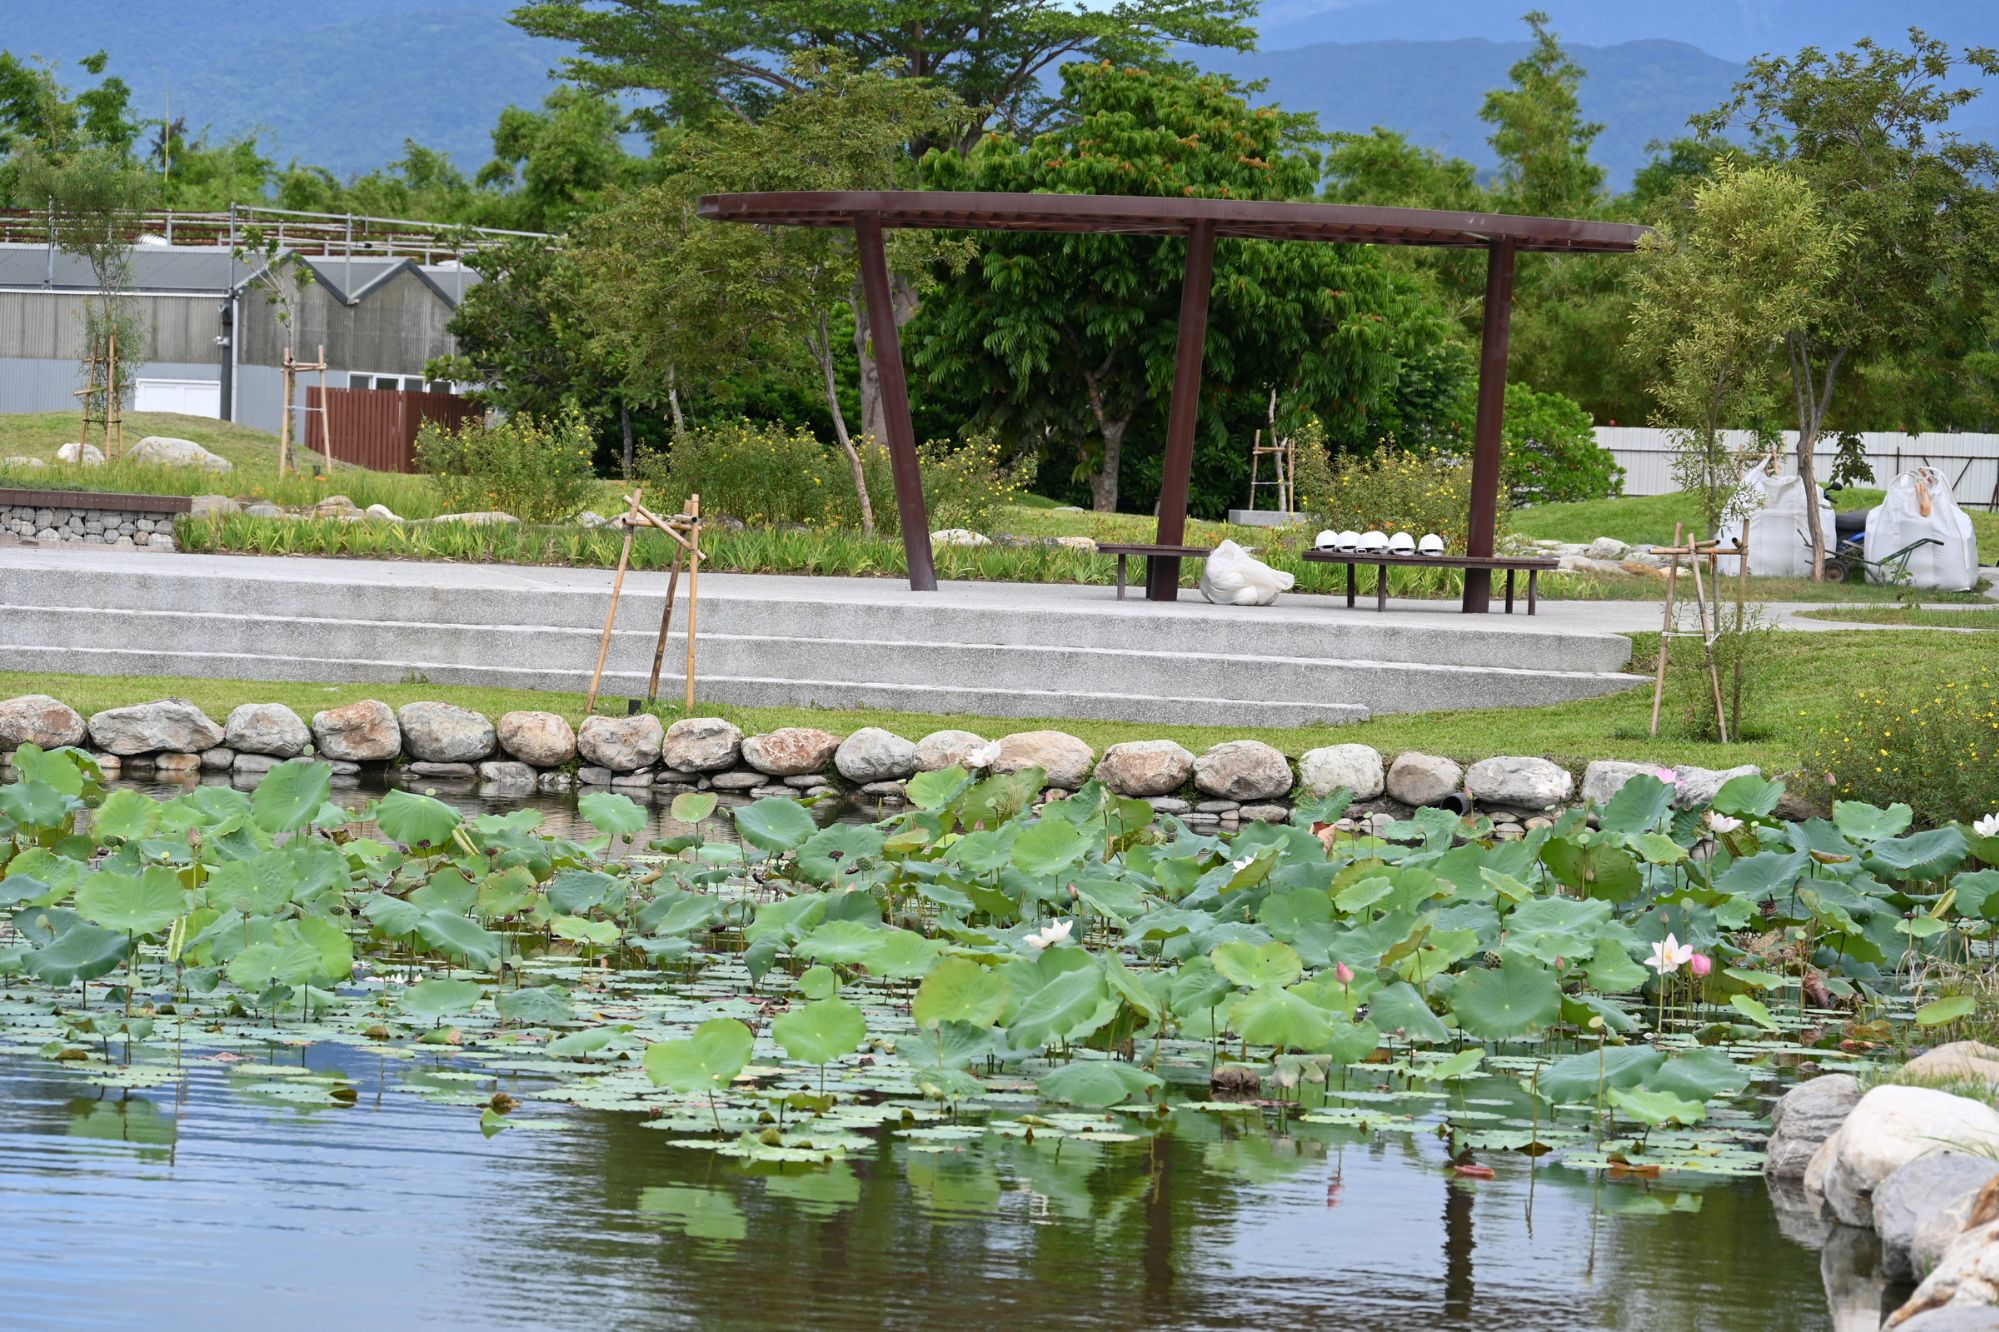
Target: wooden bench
1123, 550
1381, 560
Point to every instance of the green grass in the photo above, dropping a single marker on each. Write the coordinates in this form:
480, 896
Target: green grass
1913, 616
1648, 519
1804, 679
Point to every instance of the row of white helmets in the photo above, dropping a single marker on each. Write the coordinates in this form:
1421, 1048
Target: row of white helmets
1380, 543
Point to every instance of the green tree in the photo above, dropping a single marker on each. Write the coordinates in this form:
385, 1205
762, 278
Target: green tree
1721, 286
710, 60
554, 165
1070, 339
1867, 131
1539, 134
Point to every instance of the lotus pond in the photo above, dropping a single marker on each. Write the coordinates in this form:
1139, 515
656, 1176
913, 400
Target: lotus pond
266, 1057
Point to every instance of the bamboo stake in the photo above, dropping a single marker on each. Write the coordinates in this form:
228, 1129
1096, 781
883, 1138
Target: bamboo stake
1666, 630
610, 617
1741, 619
693, 591
1707, 645
665, 621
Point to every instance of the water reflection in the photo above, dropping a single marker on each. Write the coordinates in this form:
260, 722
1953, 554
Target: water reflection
230, 1204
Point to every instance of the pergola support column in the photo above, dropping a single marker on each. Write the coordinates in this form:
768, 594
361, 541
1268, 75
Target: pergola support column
901, 440
1162, 579
1488, 441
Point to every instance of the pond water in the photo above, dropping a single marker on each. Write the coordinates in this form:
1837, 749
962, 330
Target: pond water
225, 1206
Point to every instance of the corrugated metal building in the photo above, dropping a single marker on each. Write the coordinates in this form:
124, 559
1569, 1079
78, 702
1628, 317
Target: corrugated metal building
214, 341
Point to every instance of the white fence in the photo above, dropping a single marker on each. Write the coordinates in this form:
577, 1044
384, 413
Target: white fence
1969, 462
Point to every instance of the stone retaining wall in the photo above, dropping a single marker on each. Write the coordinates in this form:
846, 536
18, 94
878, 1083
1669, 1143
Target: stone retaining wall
98, 518
433, 744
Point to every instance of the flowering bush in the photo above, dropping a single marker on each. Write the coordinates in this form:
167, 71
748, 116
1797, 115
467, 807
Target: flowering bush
536, 470
1938, 741
1392, 491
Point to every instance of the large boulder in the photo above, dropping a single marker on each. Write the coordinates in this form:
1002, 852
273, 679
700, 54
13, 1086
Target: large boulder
622, 744
1697, 786
1959, 1061
37, 719
1929, 1186
702, 744
948, 749
539, 738
146, 728
1525, 783
1423, 779
266, 728
1355, 768
1961, 1293
1064, 760
1243, 770
1890, 1127
1804, 1117
1145, 767
1606, 777
364, 732
874, 755
167, 451
444, 733
791, 751
87, 455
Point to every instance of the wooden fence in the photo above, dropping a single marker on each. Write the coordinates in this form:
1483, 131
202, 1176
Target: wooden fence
376, 428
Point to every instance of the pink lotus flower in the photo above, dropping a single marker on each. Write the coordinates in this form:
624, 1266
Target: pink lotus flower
1700, 964
1667, 775
1343, 973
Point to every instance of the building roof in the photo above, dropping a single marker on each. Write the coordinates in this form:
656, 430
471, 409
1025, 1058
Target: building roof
1137, 215
209, 270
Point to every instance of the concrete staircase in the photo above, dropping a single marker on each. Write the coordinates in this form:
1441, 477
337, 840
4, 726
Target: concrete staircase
988, 650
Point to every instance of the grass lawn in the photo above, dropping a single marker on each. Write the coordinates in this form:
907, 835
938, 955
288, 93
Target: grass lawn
1914, 616
1802, 678
1648, 519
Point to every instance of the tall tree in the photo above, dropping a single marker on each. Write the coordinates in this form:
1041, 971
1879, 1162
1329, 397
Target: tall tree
1070, 339
1867, 130
1539, 134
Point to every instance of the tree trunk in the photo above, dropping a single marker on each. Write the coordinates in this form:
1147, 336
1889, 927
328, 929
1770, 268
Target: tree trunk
625, 425
1103, 482
1813, 397
902, 300
673, 401
822, 351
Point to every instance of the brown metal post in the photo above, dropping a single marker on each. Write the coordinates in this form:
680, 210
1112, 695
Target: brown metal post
1487, 441
1162, 575
895, 404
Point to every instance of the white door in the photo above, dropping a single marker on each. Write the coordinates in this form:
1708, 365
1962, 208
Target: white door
189, 397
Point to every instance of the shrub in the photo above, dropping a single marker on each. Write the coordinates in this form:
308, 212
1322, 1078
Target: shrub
539, 471
1552, 453
1934, 745
1393, 491
968, 485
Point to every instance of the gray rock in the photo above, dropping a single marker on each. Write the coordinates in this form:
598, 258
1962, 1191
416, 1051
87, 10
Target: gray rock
144, 728
166, 451
1243, 770
444, 733
555, 781
1957, 1061
790, 750
1145, 767
446, 769
1218, 807
1937, 1233
1890, 1127
872, 755
1270, 813
946, 749
266, 728
592, 775
1698, 785
1423, 779
364, 732
1065, 760
886, 790
1607, 548
1527, 783
702, 744
642, 777
218, 759
622, 744
382, 513
1168, 804
504, 772
1918, 1191
1606, 777
254, 765
736, 781
807, 781
37, 719
89, 455
1963, 1288
1804, 1117
541, 739
1953, 1318
176, 763
480, 518
674, 777
1355, 768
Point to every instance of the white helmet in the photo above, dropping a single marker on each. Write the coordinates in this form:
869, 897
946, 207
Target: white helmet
1326, 540
1346, 540
1402, 544
1372, 541
1431, 545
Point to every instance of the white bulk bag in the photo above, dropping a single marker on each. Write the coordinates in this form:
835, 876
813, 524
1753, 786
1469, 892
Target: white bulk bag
1919, 504
1234, 577
1780, 534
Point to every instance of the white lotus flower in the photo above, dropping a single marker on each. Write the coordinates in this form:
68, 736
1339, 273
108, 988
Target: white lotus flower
1721, 823
1669, 955
981, 758
1240, 865
1987, 826
1051, 934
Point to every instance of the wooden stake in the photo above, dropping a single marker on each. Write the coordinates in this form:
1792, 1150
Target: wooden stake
611, 616
665, 622
1707, 647
289, 369
1666, 630
693, 592
1741, 620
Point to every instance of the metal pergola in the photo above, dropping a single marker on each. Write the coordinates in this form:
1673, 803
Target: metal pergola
1200, 222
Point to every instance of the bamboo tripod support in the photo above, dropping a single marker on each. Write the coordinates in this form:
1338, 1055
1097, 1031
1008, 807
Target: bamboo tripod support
685, 530
1710, 551
291, 367
112, 419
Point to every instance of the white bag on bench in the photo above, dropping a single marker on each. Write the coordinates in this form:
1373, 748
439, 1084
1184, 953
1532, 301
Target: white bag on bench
1234, 577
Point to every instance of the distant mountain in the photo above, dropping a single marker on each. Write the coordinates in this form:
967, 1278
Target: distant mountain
1431, 91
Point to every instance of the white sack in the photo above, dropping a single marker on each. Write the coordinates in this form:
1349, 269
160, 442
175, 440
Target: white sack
1900, 520
1234, 577
1780, 534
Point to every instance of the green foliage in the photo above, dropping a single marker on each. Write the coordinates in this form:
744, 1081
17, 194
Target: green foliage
1539, 134
1395, 491
1933, 736
1551, 451
537, 470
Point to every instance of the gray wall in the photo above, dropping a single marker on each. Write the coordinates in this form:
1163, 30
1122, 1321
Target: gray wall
34, 384
48, 326
395, 329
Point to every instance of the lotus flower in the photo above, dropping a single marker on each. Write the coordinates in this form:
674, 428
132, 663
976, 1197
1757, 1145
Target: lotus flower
1051, 934
981, 758
1343, 973
1987, 826
1700, 964
1667, 775
1721, 823
1669, 955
